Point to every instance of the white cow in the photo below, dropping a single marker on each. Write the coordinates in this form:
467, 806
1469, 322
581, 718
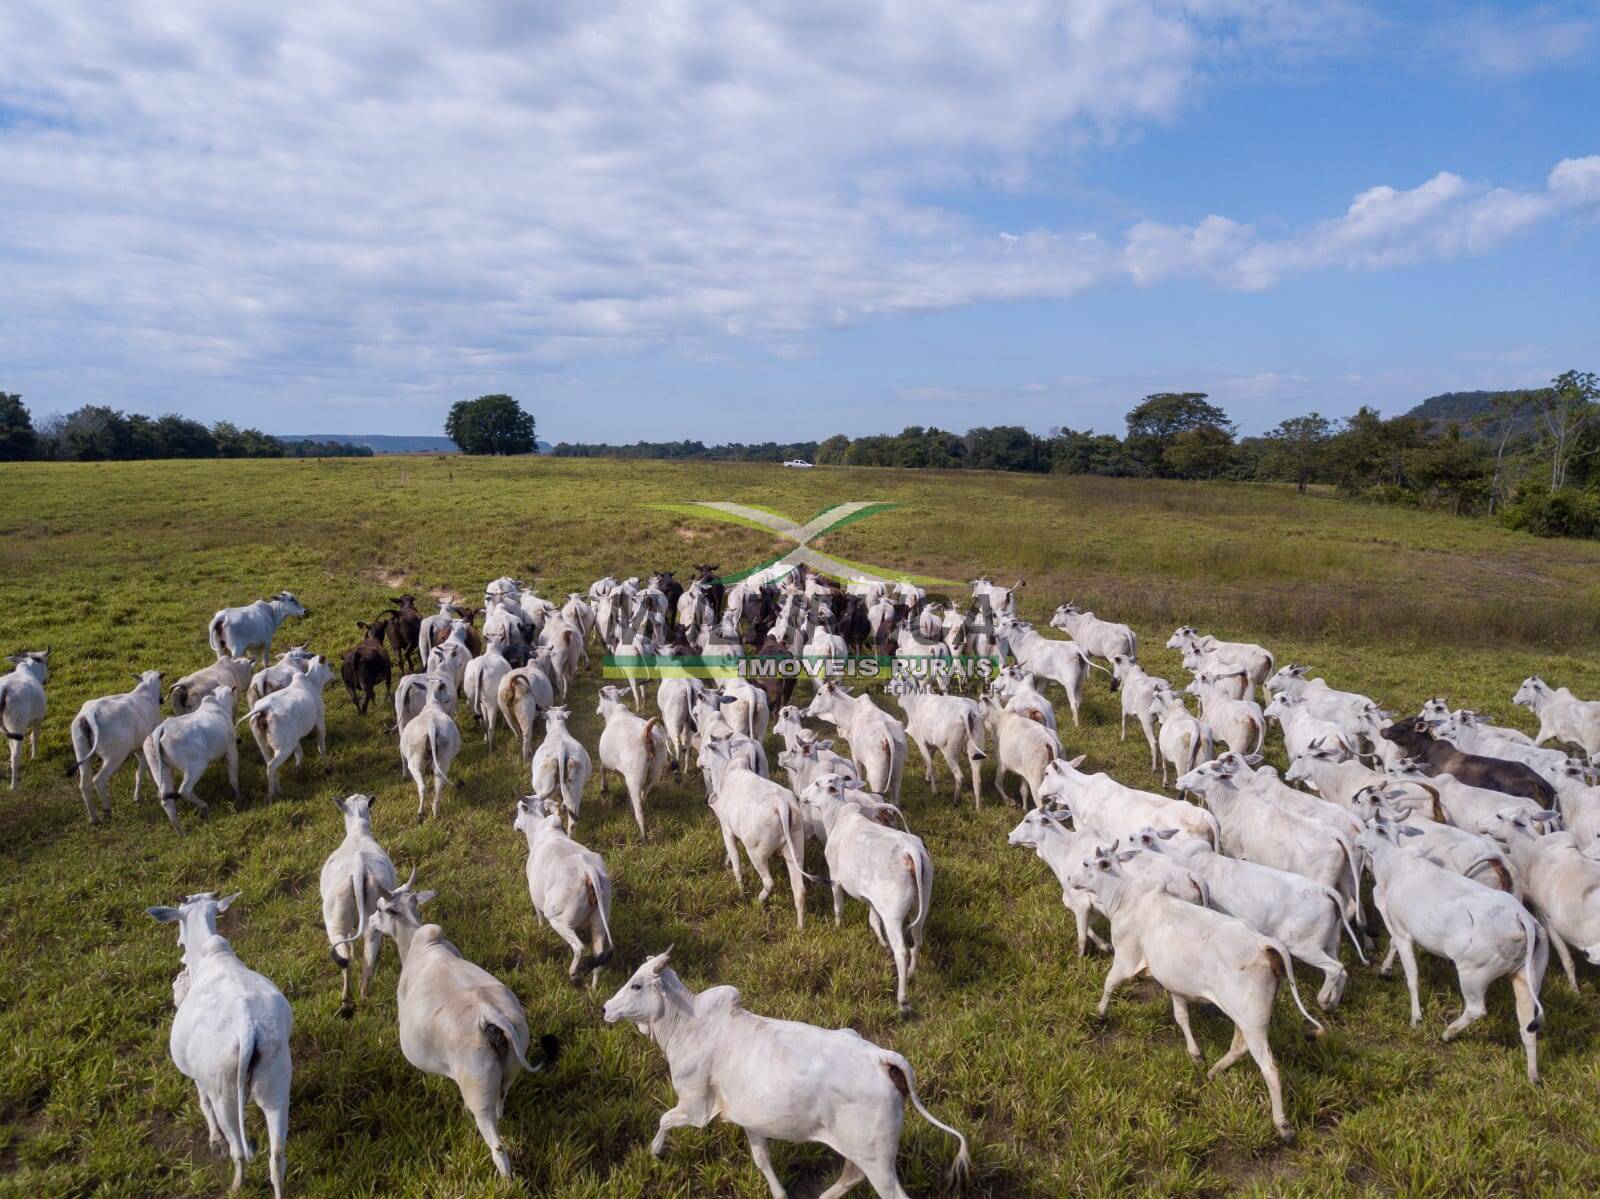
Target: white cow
1487, 934
1563, 886
634, 748
112, 728
1256, 660
676, 697
1116, 812
436, 628
481, 685
886, 868
1305, 915
1196, 954
1064, 662
1562, 715
763, 816
449, 660
1237, 723
1355, 714
1063, 849
457, 1019
1258, 829
1138, 690
291, 662
952, 725
776, 1079
561, 766
354, 875
230, 1036
1184, 741
248, 631
524, 692
1022, 747
877, 740
569, 886
1102, 638
1018, 692
23, 704
281, 721
411, 693
186, 745
429, 744
226, 671
1303, 729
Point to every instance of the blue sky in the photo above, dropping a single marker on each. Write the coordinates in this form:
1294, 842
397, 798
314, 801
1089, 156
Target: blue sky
786, 220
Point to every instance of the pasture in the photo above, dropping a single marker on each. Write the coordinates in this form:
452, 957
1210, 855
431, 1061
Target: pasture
119, 567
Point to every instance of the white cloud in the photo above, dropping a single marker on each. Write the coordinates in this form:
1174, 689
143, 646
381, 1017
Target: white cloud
1442, 218
214, 208
1504, 45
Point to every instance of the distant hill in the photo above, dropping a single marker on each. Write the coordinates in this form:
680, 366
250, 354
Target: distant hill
385, 443
1461, 407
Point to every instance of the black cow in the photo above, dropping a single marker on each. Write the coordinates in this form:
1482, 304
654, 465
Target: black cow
1442, 757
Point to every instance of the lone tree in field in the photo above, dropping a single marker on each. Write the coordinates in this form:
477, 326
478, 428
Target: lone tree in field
1155, 423
493, 424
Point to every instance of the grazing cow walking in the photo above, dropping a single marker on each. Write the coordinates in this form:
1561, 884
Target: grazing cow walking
186, 745
1487, 934
281, 721
248, 631
569, 886
1196, 954
632, 747
112, 728
457, 1019
230, 1035
887, 869
776, 1079
353, 877
22, 704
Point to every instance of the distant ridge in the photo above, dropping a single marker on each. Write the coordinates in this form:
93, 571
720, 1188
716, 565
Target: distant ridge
1462, 407
387, 443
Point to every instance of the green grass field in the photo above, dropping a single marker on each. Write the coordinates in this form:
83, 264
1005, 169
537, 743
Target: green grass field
118, 568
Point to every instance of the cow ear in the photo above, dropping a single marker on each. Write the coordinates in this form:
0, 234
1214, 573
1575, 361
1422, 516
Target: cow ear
424, 896
1127, 854
1077, 761
164, 914
226, 901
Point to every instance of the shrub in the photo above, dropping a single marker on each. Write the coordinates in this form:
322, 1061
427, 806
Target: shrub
1565, 513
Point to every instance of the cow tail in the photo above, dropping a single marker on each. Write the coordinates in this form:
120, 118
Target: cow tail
358, 884
91, 733
247, 1052
433, 754
1344, 919
975, 735
1288, 973
1532, 930
591, 887
500, 1034
1260, 722
921, 884
650, 726
214, 636
904, 1080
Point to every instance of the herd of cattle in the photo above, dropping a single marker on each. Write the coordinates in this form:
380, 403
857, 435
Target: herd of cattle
1478, 841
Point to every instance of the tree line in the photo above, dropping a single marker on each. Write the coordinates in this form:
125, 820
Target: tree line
95, 433
1527, 457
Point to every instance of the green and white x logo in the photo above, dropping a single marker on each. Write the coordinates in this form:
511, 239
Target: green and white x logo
802, 554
